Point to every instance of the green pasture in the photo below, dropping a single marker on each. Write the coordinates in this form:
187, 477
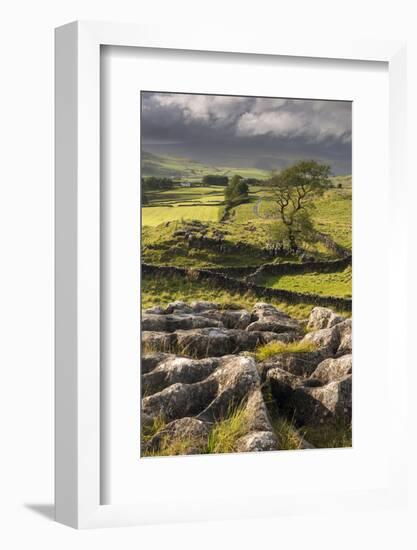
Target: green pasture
244, 236
156, 215
182, 203
185, 195
332, 213
163, 290
161, 246
326, 284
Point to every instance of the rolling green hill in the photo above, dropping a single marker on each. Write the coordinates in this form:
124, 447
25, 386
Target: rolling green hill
190, 170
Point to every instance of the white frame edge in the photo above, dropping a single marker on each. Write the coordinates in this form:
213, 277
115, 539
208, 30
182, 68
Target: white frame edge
77, 232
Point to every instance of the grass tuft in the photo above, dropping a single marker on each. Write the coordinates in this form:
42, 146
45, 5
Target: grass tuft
275, 348
226, 432
289, 438
222, 438
149, 430
171, 448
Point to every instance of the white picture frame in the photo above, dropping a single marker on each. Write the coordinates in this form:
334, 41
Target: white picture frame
78, 405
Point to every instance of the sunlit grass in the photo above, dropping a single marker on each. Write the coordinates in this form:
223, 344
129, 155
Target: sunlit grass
160, 290
149, 430
156, 215
326, 284
289, 438
226, 432
276, 348
173, 447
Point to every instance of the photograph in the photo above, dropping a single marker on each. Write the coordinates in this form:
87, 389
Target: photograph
246, 273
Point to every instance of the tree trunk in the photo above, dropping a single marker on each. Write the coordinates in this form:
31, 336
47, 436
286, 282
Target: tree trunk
291, 238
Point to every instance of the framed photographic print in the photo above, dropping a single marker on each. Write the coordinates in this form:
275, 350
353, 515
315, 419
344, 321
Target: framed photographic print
246, 329
221, 227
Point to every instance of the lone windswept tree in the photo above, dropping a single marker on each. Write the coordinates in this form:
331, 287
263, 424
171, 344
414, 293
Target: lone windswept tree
292, 193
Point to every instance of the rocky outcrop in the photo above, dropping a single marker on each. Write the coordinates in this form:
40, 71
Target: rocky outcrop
198, 369
300, 364
333, 369
321, 391
174, 369
266, 317
189, 432
323, 317
257, 441
230, 318
345, 337
209, 390
202, 329
171, 323
309, 402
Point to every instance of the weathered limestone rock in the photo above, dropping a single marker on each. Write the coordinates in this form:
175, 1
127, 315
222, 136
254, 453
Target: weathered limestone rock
256, 442
211, 342
156, 310
330, 370
345, 337
300, 364
332, 402
203, 306
266, 317
178, 369
158, 341
256, 412
312, 405
230, 318
179, 321
150, 360
236, 380
179, 400
198, 367
336, 340
224, 384
230, 383
322, 317
283, 384
327, 340
185, 436
207, 342
177, 307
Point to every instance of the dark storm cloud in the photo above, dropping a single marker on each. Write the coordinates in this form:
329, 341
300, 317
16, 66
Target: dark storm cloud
264, 133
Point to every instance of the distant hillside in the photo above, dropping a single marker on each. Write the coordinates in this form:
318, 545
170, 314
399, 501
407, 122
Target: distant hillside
188, 169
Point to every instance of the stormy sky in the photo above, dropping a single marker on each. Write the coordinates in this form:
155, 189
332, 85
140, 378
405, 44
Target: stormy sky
267, 133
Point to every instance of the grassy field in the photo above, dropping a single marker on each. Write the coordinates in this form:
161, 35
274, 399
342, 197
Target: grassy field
186, 196
163, 290
325, 284
333, 216
162, 246
163, 214
332, 213
244, 237
200, 203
